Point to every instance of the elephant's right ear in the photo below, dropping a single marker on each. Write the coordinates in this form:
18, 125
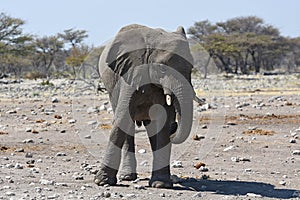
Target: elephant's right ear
181, 31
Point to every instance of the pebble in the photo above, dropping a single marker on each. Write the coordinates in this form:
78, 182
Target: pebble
88, 137
19, 150
11, 112
46, 182
139, 187
293, 141
131, 195
228, 148
144, 163
28, 129
242, 105
296, 152
10, 194
248, 170
61, 154
54, 100
162, 195
176, 164
142, 151
203, 169
102, 108
282, 183
27, 141
28, 155
92, 110
54, 196
92, 122
105, 194
253, 195
197, 195
72, 121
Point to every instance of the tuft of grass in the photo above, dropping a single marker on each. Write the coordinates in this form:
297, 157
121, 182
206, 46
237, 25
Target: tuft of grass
47, 83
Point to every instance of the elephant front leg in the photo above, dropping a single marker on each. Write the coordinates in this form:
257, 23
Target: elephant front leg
161, 147
111, 162
128, 168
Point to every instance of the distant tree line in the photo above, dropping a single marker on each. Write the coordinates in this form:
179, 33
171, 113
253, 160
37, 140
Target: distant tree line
246, 44
240, 45
29, 56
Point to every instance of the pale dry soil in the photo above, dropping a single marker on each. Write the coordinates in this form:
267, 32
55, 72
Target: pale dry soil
246, 138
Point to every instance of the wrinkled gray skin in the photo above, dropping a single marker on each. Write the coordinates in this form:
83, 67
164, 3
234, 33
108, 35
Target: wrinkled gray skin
147, 73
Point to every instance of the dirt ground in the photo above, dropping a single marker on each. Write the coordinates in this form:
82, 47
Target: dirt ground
247, 136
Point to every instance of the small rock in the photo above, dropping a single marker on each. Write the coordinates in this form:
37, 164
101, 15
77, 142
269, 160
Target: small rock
142, 151
19, 150
28, 129
105, 194
204, 126
61, 154
176, 164
102, 108
18, 166
253, 195
10, 194
198, 194
203, 169
27, 141
72, 121
57, 116
248, 170
109, 110
11, 112
293, 141
198, 137
46, 182
139, 187
54, 100
282, 183
235, 159
92, 110
228, 148
88, 137
130, 195
54, 196
199, 164
231, 123
34, 131
92, 122
296, 152
28, 155
162, 195
144, 163
242, 105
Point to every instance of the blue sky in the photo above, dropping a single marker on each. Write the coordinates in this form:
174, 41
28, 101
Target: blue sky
103, 18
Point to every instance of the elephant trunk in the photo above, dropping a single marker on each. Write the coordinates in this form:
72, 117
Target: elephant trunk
183, 103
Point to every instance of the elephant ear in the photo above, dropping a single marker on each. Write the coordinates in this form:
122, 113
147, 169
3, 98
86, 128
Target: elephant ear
181, 31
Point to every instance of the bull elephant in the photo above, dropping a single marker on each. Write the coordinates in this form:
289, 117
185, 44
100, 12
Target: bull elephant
147, 73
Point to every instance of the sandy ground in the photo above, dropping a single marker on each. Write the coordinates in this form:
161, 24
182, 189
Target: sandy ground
52, 140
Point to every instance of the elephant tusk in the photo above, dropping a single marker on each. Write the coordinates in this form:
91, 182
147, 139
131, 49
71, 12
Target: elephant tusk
168, 100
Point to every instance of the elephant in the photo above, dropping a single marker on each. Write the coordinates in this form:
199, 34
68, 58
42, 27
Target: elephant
147, 73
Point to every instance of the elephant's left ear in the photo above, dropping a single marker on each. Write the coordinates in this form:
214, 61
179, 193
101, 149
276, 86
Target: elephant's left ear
181, 31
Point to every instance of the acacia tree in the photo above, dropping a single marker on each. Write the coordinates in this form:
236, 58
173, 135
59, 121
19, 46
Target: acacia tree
47, 49
15, 46
241, 44
78, 51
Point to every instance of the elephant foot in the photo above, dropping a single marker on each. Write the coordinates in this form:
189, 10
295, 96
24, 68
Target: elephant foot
106, 176
128, 177
161, 182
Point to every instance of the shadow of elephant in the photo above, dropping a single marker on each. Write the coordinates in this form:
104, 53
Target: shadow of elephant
231, 187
